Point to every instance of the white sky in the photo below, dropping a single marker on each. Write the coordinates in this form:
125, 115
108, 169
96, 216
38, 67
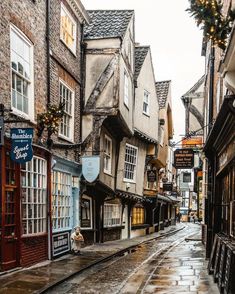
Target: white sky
175, 42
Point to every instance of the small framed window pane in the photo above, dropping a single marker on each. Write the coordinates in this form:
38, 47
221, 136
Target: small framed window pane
130, 163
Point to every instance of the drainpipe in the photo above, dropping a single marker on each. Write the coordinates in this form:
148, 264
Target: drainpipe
82, 76
211, 89
48, 51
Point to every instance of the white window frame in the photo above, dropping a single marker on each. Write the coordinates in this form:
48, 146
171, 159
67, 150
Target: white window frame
126, 89
91, 212
72, 19
71, 134
34, 196
62, 205
146, 101
30, 81
112, 215
108, 155
134, 163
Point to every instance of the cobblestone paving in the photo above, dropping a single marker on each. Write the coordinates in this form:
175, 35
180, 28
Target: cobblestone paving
168, 265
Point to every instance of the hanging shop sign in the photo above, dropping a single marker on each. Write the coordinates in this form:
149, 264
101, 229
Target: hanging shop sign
151, 175
90, 167
1, 131
183, 158
21, 144
167, 187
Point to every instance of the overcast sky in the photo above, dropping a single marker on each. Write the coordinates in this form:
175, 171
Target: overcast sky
175, 42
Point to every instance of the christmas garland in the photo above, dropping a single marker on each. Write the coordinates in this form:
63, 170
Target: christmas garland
216, 27
50, 119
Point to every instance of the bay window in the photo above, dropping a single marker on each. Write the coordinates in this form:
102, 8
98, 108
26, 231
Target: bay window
34, 196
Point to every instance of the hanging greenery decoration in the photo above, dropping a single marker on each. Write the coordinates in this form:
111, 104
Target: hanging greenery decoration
50, 120
216, 26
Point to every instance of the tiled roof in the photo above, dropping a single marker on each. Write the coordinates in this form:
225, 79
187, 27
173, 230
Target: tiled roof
107, 23
140, 54
162, 92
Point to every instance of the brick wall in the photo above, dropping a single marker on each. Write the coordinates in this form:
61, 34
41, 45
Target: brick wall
34, 250
30, 18
65, 65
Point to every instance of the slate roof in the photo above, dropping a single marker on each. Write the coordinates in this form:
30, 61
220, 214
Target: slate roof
107, 23
140, 54
162, 92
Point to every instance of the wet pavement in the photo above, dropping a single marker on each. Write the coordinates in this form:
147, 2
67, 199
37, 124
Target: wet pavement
38, 278
166, 265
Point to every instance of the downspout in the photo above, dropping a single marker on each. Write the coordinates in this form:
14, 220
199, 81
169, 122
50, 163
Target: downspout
211, 89
48, 102
82, 76
48, 51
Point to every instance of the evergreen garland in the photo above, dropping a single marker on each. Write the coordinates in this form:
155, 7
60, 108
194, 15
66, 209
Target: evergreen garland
50, 120
216, 27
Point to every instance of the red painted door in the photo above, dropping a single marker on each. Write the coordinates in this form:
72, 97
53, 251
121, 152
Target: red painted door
10, 213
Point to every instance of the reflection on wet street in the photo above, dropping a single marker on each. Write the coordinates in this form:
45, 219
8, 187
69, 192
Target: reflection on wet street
167, 265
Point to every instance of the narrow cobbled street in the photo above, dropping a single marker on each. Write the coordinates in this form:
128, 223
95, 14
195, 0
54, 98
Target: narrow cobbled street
172, 264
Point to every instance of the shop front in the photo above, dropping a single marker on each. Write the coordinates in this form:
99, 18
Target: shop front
24, 208
65, 203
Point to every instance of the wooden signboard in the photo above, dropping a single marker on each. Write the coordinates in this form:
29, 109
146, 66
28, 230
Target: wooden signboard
222, 265
229, 281
211, 263
217, 260
183, 158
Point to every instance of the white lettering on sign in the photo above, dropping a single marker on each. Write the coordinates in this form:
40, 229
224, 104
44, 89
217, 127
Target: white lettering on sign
19, 152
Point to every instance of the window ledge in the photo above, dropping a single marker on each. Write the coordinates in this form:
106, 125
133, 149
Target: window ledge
142, 226
113, 228
70, 50
146, 114
65, 138
22, 115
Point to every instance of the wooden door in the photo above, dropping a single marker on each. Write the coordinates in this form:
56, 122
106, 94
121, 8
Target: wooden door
10, 213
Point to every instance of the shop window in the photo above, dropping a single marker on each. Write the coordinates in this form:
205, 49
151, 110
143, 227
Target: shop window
86, 212
186, 177
146, 102
138, 216
21, 74
112, 215
68, 29
67, 98
61, 201
107, 154
130, 163
34, 196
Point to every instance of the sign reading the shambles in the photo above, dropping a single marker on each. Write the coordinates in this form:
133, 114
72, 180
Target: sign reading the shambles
183, 158
21, 146
90, 167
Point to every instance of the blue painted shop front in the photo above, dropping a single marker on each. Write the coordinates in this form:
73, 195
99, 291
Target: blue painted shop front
64, 203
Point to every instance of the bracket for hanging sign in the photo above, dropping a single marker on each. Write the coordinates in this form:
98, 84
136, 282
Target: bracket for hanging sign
1, 131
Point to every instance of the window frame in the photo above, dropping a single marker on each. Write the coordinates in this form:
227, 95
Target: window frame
91, 212
30, 115
109, 170
73, 49
138, 213
29, 178
109, 222
62, 206
125, 162
71, 137
126, 89
146, 102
